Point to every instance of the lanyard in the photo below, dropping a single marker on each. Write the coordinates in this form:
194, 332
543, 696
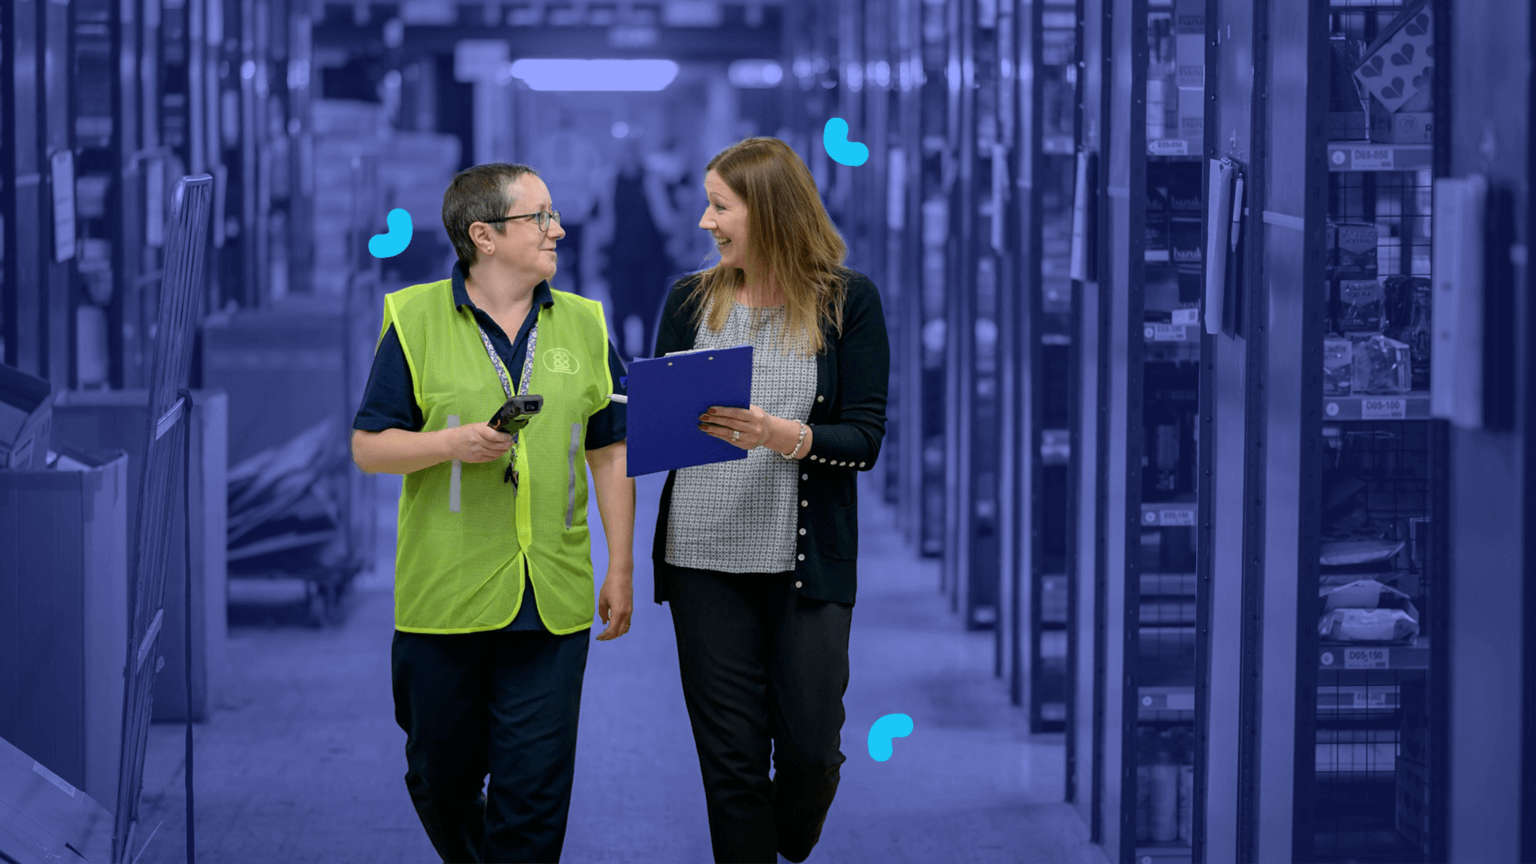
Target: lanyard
501, 371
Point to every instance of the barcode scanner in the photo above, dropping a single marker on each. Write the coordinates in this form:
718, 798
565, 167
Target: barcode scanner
516, 412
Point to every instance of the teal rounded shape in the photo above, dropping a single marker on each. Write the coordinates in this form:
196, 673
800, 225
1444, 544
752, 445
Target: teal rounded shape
884, 730
393, 243
834, 137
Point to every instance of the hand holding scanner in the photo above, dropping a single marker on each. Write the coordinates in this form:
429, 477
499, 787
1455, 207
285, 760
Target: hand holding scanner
516, 412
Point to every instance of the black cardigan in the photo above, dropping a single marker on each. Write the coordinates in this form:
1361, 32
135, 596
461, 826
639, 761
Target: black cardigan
847, 425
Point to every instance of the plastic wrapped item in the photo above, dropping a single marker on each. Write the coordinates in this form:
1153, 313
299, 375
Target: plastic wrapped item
1367, 611
1359, 306
1366, 594
1338, 375
1347, 553
1367, 625
1381, 364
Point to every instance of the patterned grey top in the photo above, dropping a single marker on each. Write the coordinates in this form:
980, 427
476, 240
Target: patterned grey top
740, 516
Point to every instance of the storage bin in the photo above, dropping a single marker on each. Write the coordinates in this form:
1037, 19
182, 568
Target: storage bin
64, 616
120, 419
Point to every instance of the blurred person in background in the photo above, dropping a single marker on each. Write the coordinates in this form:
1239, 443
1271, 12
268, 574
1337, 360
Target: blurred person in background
637, 220
758, 557
493, 573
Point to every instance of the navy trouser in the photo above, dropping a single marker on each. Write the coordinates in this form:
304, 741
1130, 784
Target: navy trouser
763, 667
503, 704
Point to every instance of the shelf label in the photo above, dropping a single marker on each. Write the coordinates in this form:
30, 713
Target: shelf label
1168, 147
1371, 158
1186, 316
1383, 408
1176, 516
1167, 332
1366, 658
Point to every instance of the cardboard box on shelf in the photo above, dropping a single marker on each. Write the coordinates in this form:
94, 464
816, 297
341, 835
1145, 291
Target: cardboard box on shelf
1400, 127
1399, 64
26, 419
1189, 57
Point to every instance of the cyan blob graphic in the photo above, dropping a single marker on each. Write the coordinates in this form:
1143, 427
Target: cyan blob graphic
399, 236
834, 137
883, 731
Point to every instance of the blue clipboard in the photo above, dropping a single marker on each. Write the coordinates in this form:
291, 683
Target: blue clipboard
666, 397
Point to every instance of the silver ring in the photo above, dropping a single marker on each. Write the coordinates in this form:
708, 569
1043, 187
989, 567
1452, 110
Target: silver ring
736, 435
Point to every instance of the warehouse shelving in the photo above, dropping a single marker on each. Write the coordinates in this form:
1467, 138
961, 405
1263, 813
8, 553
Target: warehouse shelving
1049, 46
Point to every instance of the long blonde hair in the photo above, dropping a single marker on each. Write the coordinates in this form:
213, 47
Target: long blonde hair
788, 233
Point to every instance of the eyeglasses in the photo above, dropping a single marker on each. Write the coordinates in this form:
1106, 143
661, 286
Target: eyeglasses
541, 218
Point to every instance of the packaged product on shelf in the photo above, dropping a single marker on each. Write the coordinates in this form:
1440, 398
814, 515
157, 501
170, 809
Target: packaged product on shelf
1337, 363
1359, 306
1146, 751
1366, 594
1381, 364
1187, 803
1400, 127
1409, 301
1191, 114
1352, 250
1368, 625
1347, 118
1184, 225
1400, 62
1367, 611
1412, 804
1189, 39
1157, 207
1164, 796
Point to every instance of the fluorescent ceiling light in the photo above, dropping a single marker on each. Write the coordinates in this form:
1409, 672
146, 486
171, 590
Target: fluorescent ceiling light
755, 74
595, 75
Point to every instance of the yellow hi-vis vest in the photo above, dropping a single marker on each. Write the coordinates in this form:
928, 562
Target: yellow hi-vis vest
464, 534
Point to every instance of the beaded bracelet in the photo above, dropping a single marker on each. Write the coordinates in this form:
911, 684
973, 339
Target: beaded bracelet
791, 454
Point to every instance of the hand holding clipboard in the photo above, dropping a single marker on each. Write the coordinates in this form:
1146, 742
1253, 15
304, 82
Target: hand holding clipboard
666, 397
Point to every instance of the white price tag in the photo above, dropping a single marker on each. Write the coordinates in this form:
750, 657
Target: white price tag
1168, 147
1366, 658
1167, 332
1383, 408
1176, 516
1371, 158
1186, 316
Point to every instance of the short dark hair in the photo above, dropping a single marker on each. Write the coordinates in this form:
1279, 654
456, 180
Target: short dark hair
478, 194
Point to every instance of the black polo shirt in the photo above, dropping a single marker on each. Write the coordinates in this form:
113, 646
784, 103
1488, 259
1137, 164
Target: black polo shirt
389, 402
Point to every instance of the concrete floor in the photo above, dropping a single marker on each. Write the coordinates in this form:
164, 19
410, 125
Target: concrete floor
304, 763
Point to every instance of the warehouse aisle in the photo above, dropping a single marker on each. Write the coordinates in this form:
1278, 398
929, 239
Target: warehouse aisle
303, 762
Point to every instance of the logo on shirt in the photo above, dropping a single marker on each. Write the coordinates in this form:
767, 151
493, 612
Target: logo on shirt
561, 360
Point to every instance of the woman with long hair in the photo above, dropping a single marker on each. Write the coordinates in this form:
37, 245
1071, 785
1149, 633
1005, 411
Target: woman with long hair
757, 557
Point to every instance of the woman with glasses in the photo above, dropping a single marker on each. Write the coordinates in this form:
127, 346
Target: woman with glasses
493, 572
757, 557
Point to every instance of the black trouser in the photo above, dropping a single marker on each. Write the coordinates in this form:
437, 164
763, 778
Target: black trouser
762, 667
497, 703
